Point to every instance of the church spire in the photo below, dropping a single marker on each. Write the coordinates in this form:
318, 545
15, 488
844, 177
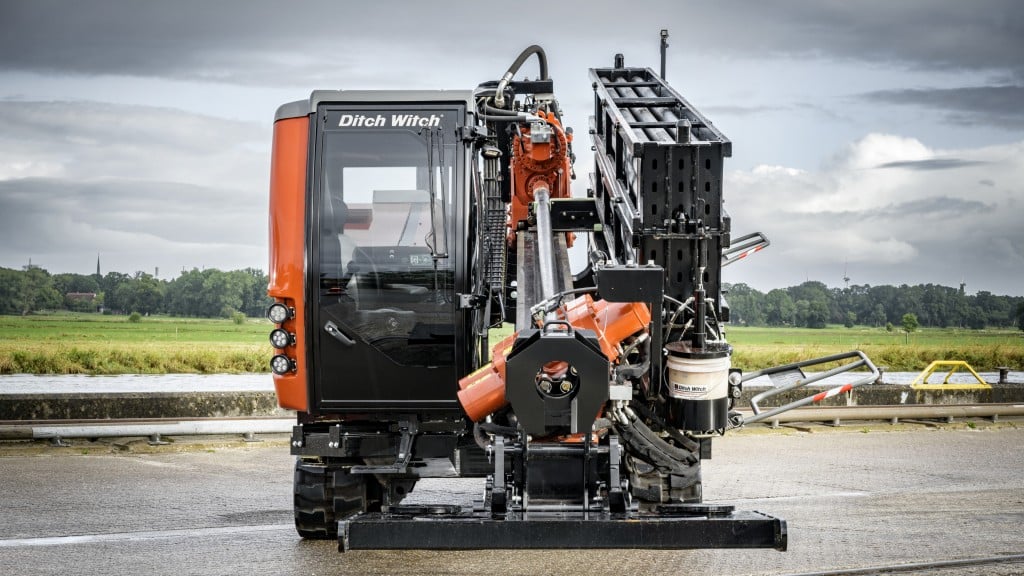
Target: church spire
98, 264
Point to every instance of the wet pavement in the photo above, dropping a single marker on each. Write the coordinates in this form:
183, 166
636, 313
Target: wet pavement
853, 498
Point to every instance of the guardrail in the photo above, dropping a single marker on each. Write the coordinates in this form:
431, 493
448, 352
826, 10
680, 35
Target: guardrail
56, 431
895, 413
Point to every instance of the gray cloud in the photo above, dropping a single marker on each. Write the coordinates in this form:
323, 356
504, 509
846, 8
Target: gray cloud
998, 106
935, 206
892, 226
62, 225
735, 110
86, 140
267, 42
141, 183
138, 184
921, 33
746, 111
931, 164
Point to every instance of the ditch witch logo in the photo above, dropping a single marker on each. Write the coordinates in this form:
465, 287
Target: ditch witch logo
389, 121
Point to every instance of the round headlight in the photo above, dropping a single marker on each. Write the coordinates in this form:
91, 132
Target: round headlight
280, 338
278, 313
281, 364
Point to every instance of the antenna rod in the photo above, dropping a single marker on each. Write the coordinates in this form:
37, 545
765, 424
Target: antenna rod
664, 46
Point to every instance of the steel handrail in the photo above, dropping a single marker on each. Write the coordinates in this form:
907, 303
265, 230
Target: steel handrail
863, 361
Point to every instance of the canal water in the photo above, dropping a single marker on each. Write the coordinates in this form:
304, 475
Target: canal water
78, 384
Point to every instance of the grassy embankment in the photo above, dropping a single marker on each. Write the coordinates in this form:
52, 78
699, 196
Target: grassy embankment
94, 344
983, 349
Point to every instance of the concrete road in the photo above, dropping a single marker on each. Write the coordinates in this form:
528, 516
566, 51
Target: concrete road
852, 500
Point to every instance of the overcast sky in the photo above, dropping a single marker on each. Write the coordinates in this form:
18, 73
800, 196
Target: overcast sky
880, 138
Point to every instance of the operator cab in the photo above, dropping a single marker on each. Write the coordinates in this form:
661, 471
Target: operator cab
387, 194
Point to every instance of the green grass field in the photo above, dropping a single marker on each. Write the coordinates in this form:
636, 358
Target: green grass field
897, 351
866, 336
93, 344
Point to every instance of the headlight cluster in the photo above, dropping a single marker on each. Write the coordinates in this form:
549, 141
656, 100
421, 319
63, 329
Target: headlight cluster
280, 338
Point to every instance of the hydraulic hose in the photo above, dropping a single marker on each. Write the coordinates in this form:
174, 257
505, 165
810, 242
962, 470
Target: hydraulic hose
644, 443
542, 60
498, 111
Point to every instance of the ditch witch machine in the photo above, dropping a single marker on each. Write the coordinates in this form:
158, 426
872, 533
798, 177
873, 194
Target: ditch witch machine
404, 225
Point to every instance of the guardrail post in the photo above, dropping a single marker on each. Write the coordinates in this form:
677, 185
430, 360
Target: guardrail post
1004, 374
881, 373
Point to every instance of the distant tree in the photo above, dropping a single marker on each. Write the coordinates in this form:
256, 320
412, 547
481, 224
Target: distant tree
909, 322
254, 297
80, 283
851, 319
976, 318
143, 293
878, 316
222, 293
817, 314
184, 293
40, 293
110, 284
889, 327
746, 304
13, 291
1020, 316
779, 308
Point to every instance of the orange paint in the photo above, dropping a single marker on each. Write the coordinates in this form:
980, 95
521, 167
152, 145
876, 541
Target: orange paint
538, 165
613, 321
287, 248
483, 392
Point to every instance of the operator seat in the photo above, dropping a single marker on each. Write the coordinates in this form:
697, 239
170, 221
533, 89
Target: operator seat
336, 248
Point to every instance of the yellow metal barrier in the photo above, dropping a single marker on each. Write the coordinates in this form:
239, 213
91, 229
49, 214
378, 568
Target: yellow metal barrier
921, 382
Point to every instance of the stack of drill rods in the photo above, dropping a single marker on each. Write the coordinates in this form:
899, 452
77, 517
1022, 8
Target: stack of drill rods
621, 87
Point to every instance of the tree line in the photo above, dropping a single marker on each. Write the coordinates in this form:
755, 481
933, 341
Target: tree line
813, 305
213, 293
209, 293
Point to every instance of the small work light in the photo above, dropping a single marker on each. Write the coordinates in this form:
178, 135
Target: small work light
279, 313
280, 338
282, 365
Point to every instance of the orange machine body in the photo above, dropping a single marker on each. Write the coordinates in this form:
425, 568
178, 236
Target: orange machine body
483, 392
612, 321
287, 248
538, 165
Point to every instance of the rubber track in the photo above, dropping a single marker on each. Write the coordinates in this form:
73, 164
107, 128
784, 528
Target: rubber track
322, 497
